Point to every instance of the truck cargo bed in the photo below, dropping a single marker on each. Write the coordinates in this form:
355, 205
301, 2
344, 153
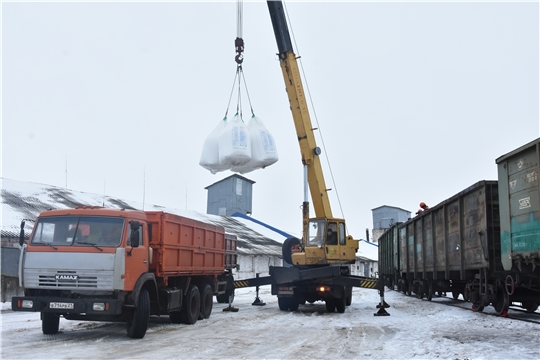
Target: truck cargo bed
183, 246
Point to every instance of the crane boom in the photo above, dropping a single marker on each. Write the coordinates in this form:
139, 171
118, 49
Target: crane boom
302, 121
324, 240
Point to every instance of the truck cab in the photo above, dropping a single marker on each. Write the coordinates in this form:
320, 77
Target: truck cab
86, 249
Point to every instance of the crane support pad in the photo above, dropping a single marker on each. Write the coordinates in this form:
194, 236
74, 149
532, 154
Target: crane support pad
283, 275
359, 281
258, 281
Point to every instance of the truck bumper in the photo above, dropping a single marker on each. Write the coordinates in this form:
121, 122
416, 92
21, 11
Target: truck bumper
65, 305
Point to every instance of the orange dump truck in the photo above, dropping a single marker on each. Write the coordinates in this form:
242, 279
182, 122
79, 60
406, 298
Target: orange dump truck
92, 263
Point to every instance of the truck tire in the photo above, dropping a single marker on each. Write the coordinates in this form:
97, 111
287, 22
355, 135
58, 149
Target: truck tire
293, 303
341, 304
192, 306
283, 303
348, 290
137, 322
50, 323
288, 244
207, 300
330, 305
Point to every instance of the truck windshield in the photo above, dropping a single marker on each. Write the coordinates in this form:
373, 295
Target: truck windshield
78, 231
315, 233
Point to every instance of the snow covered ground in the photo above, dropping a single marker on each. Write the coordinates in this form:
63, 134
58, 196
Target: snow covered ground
415, 329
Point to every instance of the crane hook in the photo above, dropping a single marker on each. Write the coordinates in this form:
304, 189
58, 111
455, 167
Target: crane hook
239, 46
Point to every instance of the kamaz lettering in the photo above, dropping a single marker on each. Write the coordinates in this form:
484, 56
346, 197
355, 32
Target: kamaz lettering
66, 277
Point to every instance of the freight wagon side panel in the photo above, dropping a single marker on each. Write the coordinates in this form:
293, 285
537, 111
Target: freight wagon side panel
440, 239
428, 242
519, 204
419, 246
388, 252
384, 267
185, 246
453, 224
403, 254
394, 261
475, 233
411, 263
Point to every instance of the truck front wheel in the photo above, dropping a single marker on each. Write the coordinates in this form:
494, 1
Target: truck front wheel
50, 323
137, 322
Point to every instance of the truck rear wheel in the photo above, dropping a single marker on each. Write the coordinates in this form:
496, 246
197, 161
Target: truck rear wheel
348, 290
192, 306
137, 322
341, 303
330, 305
293, 303
207, 300
283, 303
288, 303
50, 323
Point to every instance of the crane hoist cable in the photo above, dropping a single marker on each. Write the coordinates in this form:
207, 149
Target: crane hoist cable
239, 41
313, 107
239, 59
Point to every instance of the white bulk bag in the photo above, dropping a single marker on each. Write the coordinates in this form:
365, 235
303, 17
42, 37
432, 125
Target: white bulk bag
263, 147
234, 143
210, 156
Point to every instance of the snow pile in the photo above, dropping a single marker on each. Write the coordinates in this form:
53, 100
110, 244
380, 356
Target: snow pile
234, 146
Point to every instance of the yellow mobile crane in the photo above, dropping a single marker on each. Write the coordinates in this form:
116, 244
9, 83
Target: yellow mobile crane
318, 264
324, 239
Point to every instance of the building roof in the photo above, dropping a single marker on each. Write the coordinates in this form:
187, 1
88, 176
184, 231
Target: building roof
388, 206
233, 175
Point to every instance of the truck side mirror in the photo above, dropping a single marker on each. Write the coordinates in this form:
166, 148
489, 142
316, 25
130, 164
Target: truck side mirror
134, 238
21, 236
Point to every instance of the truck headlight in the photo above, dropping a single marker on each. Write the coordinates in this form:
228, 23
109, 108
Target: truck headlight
98, 306
28, 304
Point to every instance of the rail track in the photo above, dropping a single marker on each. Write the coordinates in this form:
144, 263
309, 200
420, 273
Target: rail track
514, 312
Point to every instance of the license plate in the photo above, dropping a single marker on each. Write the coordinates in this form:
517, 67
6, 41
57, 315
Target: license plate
60, 305
286, 290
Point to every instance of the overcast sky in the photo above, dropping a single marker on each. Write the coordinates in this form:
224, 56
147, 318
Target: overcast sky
414, 101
